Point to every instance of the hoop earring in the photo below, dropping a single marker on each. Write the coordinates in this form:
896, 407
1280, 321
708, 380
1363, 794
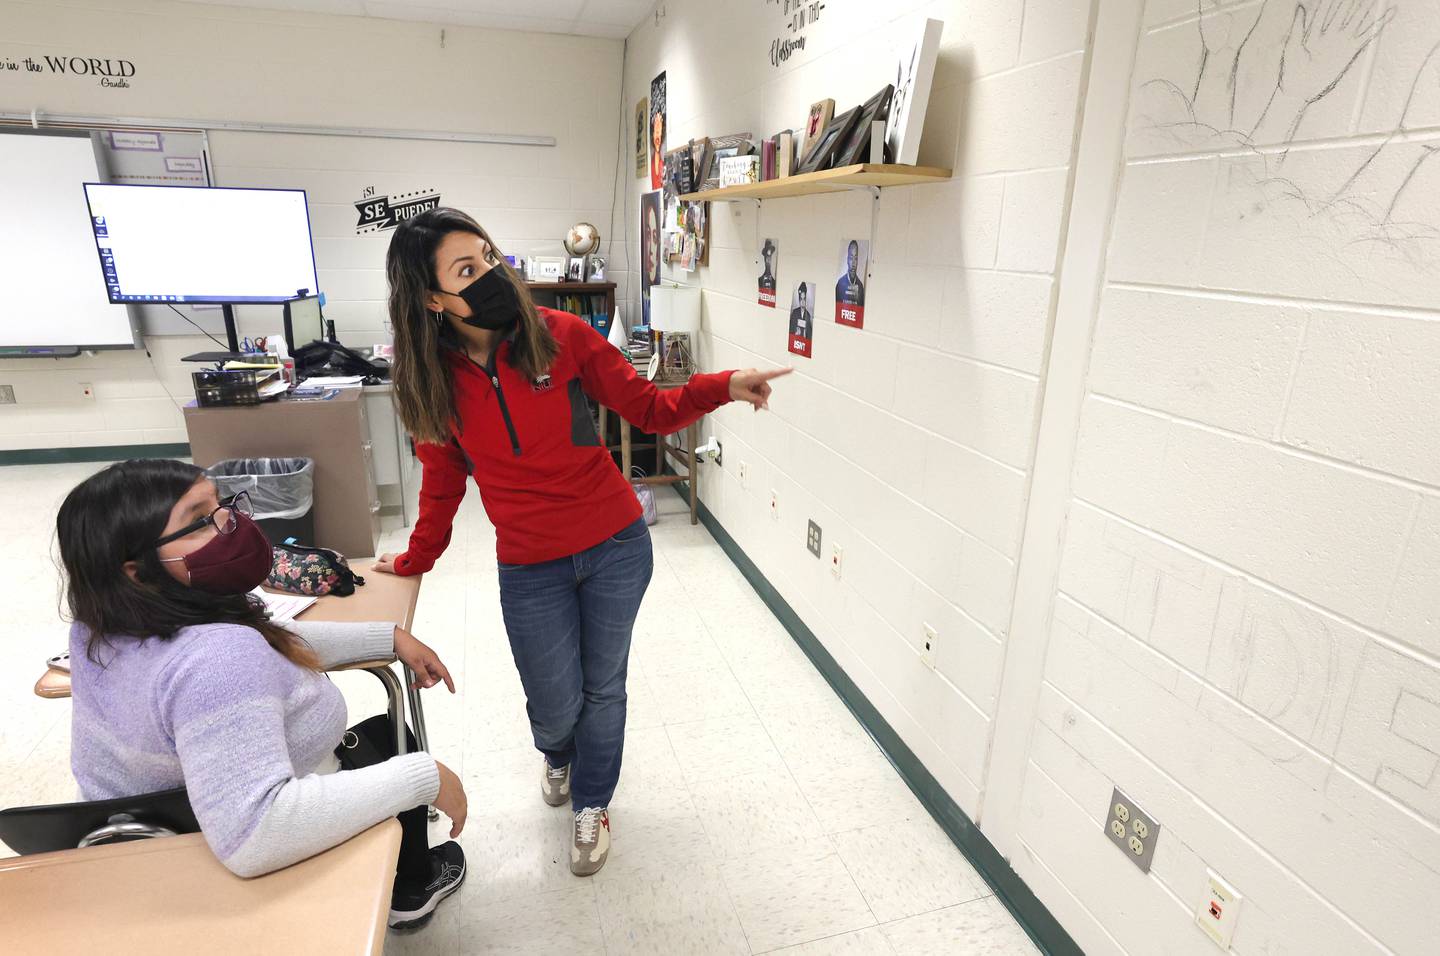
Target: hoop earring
439, 318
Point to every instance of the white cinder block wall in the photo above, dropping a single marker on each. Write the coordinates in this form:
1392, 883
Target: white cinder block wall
1245, 634
1238, 574
909, 442
197, 61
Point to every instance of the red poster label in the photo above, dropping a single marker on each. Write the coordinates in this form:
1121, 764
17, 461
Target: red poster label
851, 315
767, 297
800, 346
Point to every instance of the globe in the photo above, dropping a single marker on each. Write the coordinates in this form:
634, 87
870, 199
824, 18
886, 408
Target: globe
582, 239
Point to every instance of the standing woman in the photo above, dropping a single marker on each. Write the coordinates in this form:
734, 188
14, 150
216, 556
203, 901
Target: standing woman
494, 387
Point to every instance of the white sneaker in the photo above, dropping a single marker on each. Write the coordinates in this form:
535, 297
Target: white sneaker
555, 785
592, 841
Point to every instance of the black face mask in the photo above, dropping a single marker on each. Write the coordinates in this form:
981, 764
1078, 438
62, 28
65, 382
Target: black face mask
494, 306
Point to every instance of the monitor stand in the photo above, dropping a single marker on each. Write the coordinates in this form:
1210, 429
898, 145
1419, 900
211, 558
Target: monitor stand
232, 339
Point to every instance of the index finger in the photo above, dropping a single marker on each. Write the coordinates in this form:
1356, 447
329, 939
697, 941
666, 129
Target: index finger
444, 675
773, 373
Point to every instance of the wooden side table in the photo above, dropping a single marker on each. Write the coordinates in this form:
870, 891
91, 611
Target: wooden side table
663, 447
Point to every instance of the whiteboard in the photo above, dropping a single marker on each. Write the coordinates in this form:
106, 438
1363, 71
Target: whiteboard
52, 290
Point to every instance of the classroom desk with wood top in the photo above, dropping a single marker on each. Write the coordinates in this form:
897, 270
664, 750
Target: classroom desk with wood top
170, 895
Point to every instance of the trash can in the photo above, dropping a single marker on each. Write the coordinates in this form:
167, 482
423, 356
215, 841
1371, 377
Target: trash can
282, 492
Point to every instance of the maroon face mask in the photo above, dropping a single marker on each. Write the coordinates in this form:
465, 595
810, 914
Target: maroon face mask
233, 563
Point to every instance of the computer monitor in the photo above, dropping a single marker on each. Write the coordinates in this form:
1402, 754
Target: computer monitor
178, 244
303, 322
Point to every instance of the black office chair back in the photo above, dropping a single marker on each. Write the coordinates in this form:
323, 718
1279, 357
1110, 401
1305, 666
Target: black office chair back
66, 826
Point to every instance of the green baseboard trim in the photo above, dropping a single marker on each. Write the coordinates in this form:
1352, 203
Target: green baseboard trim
1029, 912
65, 456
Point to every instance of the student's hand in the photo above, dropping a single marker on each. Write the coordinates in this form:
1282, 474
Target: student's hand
451, 799
385, 564
426, 664
753, 386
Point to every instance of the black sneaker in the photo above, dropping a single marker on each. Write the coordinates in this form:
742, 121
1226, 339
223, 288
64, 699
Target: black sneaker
411, 907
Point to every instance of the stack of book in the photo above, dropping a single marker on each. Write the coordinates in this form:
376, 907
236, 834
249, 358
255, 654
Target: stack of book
640, 347
590, 307
777, 156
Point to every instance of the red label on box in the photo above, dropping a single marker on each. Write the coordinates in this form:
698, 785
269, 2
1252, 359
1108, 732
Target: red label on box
800, 346
767, 297
851, 315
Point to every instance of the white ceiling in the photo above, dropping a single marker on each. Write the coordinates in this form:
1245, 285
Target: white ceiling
596, 18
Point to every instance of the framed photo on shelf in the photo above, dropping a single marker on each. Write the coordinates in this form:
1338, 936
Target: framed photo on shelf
575, 268
914, 72
821, 114
856, 147
736, 144
824, 148
549, 269
595, 269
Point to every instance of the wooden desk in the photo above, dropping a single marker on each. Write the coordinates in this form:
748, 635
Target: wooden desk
335, 433
172, 896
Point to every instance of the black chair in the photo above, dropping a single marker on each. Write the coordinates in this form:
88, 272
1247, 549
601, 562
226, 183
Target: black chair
69, 826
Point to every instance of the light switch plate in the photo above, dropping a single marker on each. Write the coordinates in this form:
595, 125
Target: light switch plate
1132, 830
1219, 911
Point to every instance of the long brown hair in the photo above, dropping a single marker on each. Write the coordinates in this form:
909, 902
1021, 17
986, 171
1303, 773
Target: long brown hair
424, 394
113, 517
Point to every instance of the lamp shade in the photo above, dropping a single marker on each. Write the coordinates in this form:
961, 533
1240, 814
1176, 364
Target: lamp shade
675, 308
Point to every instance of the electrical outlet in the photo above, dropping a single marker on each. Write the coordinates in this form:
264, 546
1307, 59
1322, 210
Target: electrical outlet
1132, 829
87, 391
1219, 910
812, 539
774, 505
932, 640
837, 557
744, 474
7, 394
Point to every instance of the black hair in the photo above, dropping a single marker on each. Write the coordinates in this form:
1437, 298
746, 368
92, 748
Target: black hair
114, 517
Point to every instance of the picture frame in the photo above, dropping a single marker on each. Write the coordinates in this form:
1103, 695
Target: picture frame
856, 146
824, 148
735, 144
575, 267
549, 269
821, 113
595, 269
914, 73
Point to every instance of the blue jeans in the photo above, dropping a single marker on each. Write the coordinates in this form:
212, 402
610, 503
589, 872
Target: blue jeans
569, 622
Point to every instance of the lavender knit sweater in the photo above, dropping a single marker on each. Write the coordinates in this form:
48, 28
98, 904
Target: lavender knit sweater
249, 734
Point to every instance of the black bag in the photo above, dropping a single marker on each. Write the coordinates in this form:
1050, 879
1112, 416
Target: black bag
315, 572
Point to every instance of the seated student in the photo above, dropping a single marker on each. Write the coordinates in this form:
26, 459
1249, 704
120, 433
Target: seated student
179, 679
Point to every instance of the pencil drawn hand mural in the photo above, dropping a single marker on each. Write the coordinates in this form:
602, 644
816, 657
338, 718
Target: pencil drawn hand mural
1319, 117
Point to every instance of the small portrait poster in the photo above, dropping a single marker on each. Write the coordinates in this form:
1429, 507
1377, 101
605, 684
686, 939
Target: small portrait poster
802, 319
642, 123
769, 254
657, 132
850, 287
649, 248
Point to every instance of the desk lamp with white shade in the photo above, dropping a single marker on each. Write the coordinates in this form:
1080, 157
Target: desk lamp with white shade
675, 313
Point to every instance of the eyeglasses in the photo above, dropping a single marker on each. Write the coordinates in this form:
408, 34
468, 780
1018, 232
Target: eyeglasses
222, 518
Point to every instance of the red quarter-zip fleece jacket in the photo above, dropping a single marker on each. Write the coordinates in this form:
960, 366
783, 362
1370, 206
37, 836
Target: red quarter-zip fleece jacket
549, 486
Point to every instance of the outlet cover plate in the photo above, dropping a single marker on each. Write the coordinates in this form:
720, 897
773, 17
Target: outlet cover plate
1219, 911
812, 539
1132, 830
7, 394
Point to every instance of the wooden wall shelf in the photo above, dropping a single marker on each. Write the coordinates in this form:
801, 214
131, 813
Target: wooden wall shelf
826, 181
